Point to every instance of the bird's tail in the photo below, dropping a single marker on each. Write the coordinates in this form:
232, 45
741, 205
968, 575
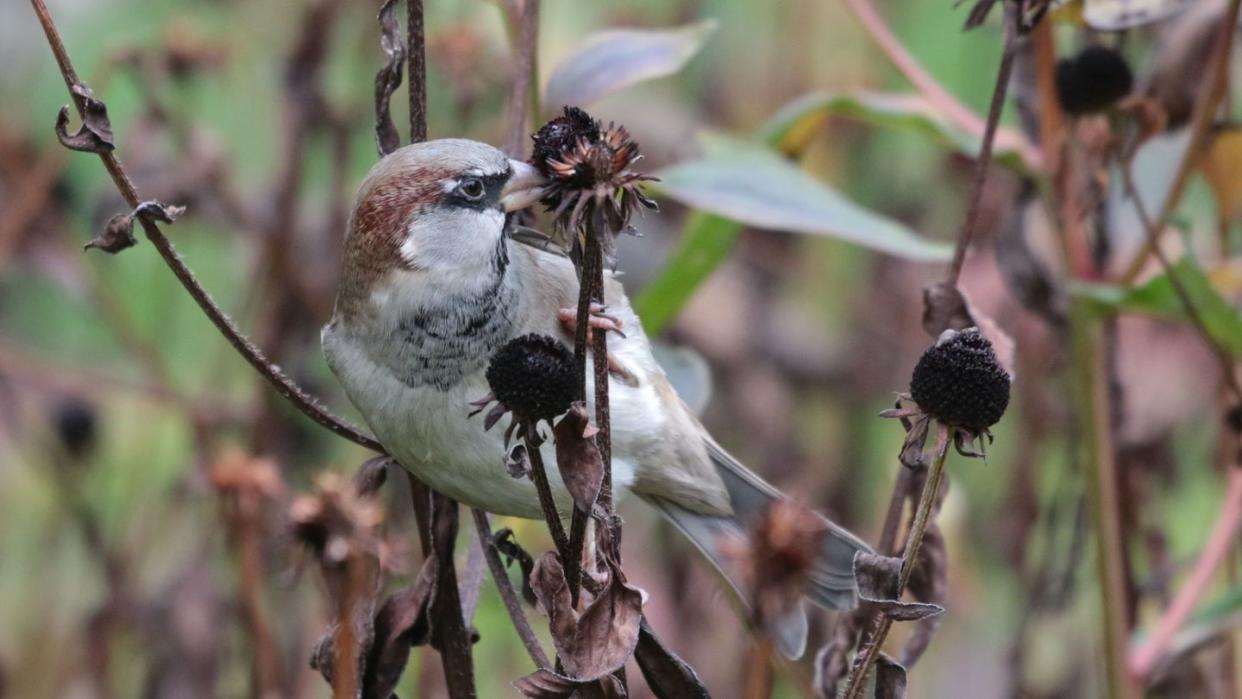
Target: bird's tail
831, 583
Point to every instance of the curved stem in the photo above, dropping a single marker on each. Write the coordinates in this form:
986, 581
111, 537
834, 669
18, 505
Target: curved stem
507, 594
305, 402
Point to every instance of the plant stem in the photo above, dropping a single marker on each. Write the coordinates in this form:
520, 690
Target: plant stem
1089, 376
539, 475
449, 633
303, 401
984, 161
507, 594
599, 352
525, 14
931, 486
416, 59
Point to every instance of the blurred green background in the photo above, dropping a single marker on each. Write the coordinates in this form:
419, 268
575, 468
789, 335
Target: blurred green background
117, 575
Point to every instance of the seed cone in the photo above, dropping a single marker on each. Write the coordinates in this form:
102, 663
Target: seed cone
533, 376
959, 382
1093, 80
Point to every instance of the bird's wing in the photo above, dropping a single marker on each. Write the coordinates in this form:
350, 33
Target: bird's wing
652, 427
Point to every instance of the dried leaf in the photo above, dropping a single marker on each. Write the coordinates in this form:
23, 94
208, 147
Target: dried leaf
607, 633
946, 307
578, 457
388, 79
400, 623
372, 475
517, 461
1222, 168
506, 543
95, 134
608, 61
552, 592
546, 684
668, 676
890, 678
877, 578
119, 232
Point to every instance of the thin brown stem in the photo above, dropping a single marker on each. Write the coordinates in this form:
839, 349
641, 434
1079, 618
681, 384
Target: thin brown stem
539, 474
416, 58
985, 158
525, 14
914, 540
1210, 95
599, 352
507, 594
308, 404
449, 632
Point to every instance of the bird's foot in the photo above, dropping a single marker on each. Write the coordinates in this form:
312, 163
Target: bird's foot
597, 320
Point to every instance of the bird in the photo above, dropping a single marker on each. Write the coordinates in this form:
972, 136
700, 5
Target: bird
433, 282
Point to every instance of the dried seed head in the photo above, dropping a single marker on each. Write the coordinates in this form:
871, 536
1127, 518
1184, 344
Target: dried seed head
533, 376
1093, 80
590, 183
76, 427
561, 134
959, 382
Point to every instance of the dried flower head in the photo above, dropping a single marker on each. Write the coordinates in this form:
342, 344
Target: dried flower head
778, 556
590, 181
534, 376
959, 382
1093, 80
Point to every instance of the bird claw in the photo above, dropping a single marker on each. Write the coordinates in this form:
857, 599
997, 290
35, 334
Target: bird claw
598, 320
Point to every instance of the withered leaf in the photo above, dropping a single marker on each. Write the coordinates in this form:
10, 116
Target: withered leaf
119, 232
578, 457
506, 543
890, 678
668, 676
517, 461
388, 79
95, 134
607, 632
400, 623
552, 592
372, 475
546, 684
877, 577
946, 307
117, 235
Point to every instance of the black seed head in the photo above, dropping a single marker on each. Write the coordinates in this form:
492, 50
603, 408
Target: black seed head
534, 377
959, 382
559, 136
1093, 80
75, 425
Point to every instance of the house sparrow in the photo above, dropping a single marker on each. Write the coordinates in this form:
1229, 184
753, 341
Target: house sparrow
432, 285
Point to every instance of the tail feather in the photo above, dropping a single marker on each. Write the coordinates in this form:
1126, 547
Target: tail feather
831, 582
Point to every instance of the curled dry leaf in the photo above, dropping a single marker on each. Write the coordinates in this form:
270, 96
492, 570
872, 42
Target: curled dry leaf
119, 232
400, 623
947, 307
388, 79
877, 577
599, 641
890, 678
506, 543
237, 472
667, 675
95, 134
578, 457
546, 684
372, 475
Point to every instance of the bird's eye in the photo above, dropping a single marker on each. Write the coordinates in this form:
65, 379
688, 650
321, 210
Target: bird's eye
472, 188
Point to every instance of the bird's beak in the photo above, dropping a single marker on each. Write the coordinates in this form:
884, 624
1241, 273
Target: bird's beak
524, 187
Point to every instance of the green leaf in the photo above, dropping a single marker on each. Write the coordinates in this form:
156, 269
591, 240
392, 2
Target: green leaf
748, 183
801, 119
1159, 298
613, 59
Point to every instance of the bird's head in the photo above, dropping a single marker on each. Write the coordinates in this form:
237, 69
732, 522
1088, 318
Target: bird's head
437, 208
